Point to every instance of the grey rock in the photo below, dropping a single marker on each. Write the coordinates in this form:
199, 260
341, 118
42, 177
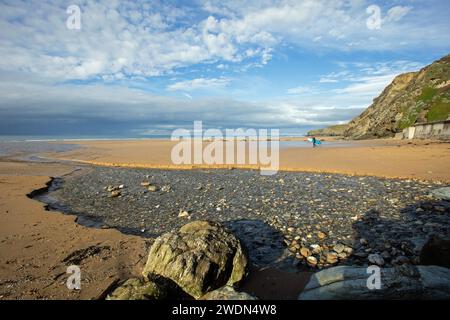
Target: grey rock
403, 282
376, 259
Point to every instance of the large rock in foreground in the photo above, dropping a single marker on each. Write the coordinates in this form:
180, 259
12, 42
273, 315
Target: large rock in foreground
200, 257
403, 282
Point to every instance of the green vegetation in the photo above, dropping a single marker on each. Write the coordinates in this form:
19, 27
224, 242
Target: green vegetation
439, 111
427, 94
410, 115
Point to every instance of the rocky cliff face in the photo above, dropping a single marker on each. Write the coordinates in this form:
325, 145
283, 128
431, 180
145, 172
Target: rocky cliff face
337, 130
414, 97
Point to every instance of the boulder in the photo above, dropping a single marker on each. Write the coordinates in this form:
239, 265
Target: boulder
436, 251
402, 282
227, 293
202, 256
137, 289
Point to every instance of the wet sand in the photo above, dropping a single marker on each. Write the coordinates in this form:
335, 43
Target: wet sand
424, 160
34, 243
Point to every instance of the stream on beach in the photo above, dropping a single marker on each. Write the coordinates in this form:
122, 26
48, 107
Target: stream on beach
281, 219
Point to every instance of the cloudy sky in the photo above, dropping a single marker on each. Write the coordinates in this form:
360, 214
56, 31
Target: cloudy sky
137, 68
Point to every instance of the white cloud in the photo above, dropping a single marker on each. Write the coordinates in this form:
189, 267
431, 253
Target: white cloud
199, 83
396, 13
151, 38
299, 90
368, 86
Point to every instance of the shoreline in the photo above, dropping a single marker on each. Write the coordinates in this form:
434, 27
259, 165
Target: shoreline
418, 159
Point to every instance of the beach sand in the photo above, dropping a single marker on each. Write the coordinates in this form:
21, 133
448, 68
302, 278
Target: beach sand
34, 243
424, 160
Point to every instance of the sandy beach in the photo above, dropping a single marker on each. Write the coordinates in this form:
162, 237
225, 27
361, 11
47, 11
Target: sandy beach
418, 159
37, 245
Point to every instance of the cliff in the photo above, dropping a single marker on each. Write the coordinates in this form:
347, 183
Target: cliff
413, 97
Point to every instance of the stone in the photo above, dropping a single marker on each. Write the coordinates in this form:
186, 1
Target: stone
386, 255
338, 248
375, 258
200, 257
227, 293
115, 194
145, 183
112, 188
305, 252
312, 261
402, 282
436, 251
348, 251
321, 235
183, 214
342, 255
441, 193
332, 257
400, 260
363, 241
152, 188
316, 249
137, 289
166, 188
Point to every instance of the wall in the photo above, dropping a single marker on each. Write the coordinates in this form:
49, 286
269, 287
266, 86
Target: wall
435, 130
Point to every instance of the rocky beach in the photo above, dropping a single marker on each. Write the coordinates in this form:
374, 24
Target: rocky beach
292, 219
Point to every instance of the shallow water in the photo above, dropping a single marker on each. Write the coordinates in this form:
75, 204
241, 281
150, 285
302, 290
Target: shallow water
31, 148
306, 144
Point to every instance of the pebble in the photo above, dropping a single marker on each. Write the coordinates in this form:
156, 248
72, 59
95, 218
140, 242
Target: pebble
316, 249
339, 248
312, 261
332, 257
305, 252
321, 235
400, 260
115, 194
183, 214
375, 258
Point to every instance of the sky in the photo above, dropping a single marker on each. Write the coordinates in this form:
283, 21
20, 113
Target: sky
140, 68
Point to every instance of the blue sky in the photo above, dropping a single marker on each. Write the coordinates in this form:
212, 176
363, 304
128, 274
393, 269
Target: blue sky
137, 68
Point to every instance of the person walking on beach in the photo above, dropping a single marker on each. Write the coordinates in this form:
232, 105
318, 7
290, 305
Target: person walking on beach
314, 141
